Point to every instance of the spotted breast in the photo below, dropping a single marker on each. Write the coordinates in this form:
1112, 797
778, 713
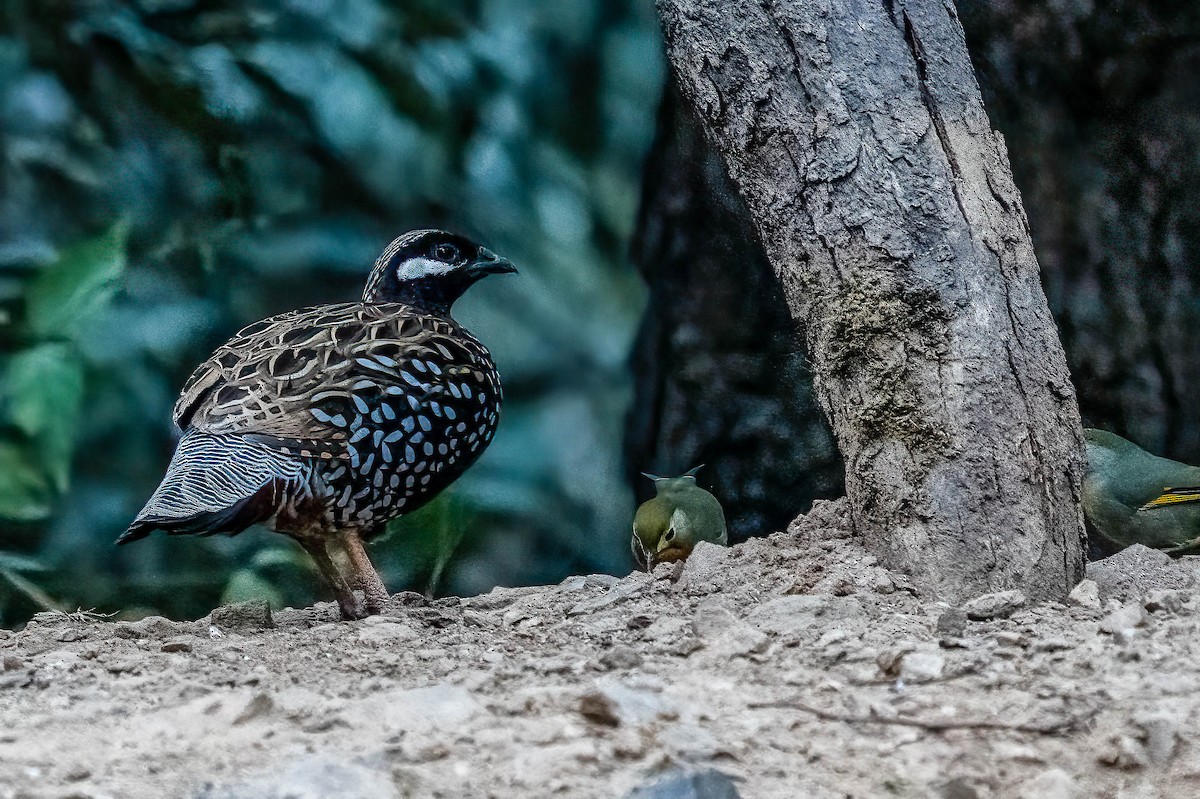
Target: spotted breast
388, 403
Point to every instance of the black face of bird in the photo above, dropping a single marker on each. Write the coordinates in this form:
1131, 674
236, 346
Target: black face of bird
431, 269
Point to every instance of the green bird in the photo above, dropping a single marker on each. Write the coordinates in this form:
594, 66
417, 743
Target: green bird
682, 514
1133, 497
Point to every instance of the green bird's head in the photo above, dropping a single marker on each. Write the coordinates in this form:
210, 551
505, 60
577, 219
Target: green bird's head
682, 514
1105, 448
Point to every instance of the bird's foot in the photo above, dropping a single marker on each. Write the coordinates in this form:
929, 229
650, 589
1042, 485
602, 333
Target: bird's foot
352, 608
374, 591
376, 596
349, 604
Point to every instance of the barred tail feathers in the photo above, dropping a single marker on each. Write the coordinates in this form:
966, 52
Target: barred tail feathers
217, 484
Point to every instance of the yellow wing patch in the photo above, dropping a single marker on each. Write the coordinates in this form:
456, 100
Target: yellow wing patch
1173, 496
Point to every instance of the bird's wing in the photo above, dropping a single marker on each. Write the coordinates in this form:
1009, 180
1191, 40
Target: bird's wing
1173, 496
306, 381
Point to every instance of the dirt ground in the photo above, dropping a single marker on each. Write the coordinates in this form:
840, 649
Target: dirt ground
784, 667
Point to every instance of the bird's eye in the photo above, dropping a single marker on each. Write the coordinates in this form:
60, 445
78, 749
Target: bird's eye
670, 536
447, 253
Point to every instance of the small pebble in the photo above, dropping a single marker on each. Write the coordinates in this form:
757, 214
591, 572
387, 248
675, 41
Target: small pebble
77, 773
243, 616
1085, 595
998, 605
598, 708
1124, 618
1165, 601
952, 623
922, 666
1010, 638
621, 657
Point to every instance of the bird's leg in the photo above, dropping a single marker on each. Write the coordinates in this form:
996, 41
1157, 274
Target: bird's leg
375, 591
341, 561
348, 603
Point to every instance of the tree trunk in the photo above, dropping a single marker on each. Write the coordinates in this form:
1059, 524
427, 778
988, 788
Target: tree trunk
720, 377
856, 135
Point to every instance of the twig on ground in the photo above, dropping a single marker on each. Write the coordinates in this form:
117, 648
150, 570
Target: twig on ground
89, 615
935, 725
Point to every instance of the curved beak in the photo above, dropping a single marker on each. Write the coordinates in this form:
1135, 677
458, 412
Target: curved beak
488, 263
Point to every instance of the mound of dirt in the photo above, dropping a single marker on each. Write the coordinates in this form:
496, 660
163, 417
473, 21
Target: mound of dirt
793, 666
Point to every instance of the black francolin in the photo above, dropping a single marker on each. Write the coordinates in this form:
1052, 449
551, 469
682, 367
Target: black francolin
327, 422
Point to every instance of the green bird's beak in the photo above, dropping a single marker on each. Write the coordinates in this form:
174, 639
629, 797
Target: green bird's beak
668, 553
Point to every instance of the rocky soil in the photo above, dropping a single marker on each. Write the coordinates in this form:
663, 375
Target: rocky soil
792, 666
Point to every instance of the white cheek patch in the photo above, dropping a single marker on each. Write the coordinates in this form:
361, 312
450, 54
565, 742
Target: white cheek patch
679, 521
415, 268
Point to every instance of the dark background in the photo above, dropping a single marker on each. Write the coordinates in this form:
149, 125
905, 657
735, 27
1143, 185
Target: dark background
174, 169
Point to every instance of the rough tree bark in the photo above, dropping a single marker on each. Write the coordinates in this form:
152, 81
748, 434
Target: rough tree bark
855, 132
720, 377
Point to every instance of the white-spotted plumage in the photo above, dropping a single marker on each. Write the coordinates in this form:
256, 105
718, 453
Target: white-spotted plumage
312, 422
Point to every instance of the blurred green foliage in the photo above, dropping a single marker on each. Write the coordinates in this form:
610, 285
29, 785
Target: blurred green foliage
175, 169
